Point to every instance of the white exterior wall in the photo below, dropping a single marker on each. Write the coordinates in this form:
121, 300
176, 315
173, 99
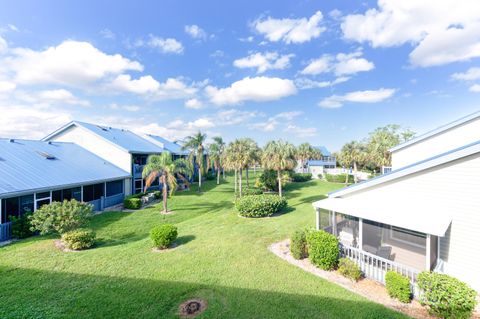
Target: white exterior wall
96, 145
442, 142
456, 185
315, 171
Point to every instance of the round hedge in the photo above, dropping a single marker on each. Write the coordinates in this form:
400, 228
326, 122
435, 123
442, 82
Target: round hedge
260, 205
162, 236
323, 249
132, 203
298, 244
79, 239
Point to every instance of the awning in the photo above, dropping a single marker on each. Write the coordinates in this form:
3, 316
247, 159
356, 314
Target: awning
422, 216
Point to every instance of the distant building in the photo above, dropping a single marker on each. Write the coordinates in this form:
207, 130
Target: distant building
318, 166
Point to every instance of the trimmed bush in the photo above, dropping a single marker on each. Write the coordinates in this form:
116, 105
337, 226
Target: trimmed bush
301, 177
157, 194
79, 239
298, 244
162, 236
61, 217
131, 202
446, 296
348, 268
252, 191
268, 180
21, 226
398, 286
339, 178
260, 205
323, 249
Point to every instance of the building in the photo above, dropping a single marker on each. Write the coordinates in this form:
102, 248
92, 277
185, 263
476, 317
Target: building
35, 173
121, 147
319, 166
423, 215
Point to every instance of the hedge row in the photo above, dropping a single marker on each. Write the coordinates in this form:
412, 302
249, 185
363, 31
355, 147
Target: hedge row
301, 177
260, 205
339, 178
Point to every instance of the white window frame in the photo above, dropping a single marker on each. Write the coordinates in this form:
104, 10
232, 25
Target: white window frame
400, 229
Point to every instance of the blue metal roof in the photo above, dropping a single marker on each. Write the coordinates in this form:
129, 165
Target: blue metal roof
123, 138
172, 147
323, 150
25, 167
320, 163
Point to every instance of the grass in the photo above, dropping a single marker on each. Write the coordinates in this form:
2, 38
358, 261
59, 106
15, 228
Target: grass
221, 257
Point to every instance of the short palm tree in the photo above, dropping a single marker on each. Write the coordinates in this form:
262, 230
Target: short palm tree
279, 156
162, 166
306, 152
195, 145
216, 150
237, 157
354, 153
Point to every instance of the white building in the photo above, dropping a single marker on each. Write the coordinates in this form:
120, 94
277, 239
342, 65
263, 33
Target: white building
424, 215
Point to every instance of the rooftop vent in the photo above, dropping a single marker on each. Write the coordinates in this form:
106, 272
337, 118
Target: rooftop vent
2, 159
11, 140
46, 155
102, 128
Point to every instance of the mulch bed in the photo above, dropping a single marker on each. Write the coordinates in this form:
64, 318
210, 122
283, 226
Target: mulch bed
158, 250
367, 288
192, 308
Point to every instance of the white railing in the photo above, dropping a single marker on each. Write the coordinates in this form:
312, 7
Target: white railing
375, 267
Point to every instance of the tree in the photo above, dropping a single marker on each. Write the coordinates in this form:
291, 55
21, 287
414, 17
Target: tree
221, 145
354, 153
382, 139
252, 155
306, 152
279, 156
238, 156
162, 166
216, 150
195, 143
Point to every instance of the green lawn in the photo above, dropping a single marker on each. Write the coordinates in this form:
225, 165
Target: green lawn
221, 257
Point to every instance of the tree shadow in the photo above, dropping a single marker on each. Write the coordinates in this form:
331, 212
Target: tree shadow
182, 240
32, 293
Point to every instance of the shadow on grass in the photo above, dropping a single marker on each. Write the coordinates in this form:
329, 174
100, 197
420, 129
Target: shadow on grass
29, 293
182, 240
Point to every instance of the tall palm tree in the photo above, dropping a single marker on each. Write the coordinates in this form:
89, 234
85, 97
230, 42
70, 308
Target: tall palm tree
252, 155
306, 152
279, 156
216, 150
194, 143
164, 167
237, 157
354, 153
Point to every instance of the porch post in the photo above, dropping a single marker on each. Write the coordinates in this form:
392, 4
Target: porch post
81, 193
317, 218
334, 223
360, 233
428, 256
1, 200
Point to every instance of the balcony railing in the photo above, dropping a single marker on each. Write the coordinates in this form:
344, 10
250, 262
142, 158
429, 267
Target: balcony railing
137, 170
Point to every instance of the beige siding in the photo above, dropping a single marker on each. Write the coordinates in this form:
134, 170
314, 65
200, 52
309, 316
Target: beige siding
456, 185
443, 142
97, 145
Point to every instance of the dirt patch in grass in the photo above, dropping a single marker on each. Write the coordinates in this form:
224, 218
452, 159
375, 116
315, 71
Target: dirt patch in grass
158, 250
192, 308
61, 245
367, 288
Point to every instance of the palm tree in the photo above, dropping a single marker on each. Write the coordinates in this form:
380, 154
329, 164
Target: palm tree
252, 155
164, 167
237, 157
279, 156
306, 152
195, 143
216, 150
354, 153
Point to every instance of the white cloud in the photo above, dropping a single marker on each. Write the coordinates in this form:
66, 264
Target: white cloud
341, 64
71, 63
196, 32
3, 45
247, 39
168, 45
6, 86
470, 75
129, 108
107, 34
301, 131
290, 30
264, 61
475, 88
368, 96
61, 96
143, 85
441, 33
271, 123
252, 89
305, 83
193, 104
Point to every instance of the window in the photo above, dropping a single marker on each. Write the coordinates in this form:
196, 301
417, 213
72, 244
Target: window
16, 206
408, 236
93, 192
114, 188
42, 199
57, 196
138, 186
67, 194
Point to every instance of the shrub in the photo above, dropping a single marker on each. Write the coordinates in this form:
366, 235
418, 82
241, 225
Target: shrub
131, 202
339, 178
301, 177
210, 176
60, 217
323, 249
252, 191
157, 194
260, 205
298, 244
446, 296
268, 180
398, 286
162, 236
21, 226
79, 239
348, 268
320, 176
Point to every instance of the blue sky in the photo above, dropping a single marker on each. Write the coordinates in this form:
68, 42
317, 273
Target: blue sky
322, 72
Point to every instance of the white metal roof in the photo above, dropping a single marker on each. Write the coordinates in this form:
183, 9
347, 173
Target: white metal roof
419, 216
437, 131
